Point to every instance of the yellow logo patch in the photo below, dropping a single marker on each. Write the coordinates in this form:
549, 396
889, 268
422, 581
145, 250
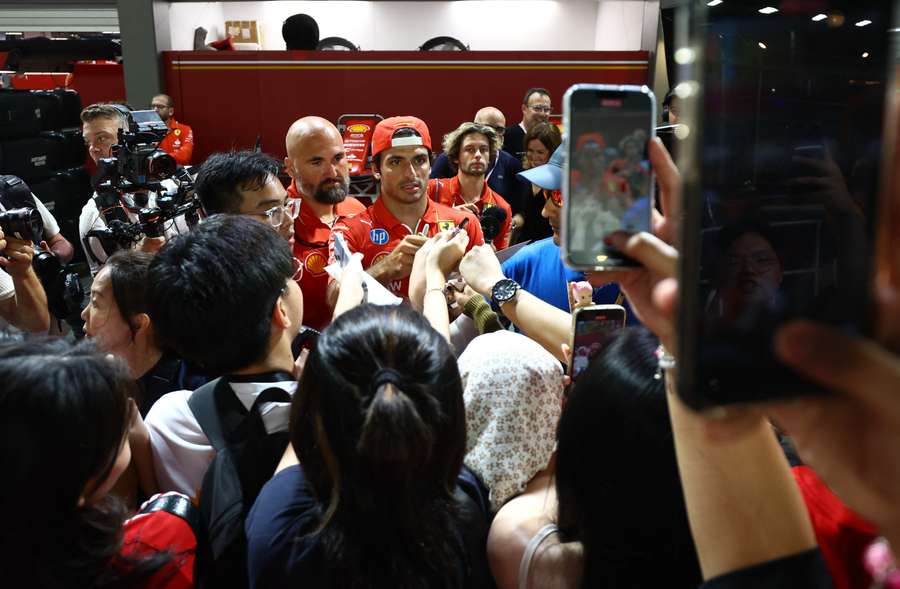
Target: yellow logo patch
446, 225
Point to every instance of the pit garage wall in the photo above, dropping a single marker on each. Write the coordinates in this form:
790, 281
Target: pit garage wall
230, 98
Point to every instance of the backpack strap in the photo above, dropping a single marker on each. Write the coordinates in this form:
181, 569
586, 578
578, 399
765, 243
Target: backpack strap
217, 410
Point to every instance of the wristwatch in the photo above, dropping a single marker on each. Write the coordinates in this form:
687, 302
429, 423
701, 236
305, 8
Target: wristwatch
504, 291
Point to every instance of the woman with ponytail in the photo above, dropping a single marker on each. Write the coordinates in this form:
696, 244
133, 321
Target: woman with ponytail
380, 497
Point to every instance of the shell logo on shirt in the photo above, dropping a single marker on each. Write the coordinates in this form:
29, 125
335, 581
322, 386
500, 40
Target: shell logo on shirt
315, 263
446, 225
378, 257
358, 128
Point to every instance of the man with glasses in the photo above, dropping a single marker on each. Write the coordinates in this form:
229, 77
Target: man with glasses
246, 183
538, 267
320, 179
503, 168
179, 143
536, 108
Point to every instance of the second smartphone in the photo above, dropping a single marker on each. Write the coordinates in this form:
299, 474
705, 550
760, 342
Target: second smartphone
607, 180
592, 328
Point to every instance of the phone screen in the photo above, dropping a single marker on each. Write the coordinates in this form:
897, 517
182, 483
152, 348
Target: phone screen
608, 183
786, 137
593, 329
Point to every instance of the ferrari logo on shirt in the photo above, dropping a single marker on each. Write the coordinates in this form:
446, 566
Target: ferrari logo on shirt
488, 205
446, 225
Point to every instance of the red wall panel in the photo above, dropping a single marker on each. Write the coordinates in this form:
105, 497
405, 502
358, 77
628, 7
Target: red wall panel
231, 97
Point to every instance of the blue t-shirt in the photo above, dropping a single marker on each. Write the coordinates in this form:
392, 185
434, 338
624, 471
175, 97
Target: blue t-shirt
539, 269
284, 551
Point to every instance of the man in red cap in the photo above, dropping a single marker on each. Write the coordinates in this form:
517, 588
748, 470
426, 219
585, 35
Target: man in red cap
470, 148
317, 164
391, 231
179, 143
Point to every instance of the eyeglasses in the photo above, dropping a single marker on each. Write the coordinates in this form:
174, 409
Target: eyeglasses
297, 268
499, 130
159, 106
554, 196
541, 108
275, 215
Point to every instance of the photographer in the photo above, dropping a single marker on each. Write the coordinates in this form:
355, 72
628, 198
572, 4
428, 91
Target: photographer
101, 126
51, 240
470, 149
23, 302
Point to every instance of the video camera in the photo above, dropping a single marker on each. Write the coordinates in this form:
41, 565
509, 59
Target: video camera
62, 286
122, 182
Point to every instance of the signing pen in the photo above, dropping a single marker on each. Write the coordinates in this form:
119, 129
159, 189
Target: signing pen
459, 228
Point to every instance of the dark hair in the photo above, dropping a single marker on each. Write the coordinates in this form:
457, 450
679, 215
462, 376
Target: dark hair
378, 424
536, 90
223, 175
616, 474
64, 415
300, 32
128, 277
546, 133
731, 232
212, 291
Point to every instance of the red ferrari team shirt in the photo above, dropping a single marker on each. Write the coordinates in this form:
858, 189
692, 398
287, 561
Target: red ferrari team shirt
447, 192
311, 248
376, 232
179, 143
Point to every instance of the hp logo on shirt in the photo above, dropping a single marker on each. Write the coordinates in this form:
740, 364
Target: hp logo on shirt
379, 236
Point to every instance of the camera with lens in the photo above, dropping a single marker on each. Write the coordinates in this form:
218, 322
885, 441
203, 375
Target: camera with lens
136, 163
123, 181
62, 286
491, 219
22, 223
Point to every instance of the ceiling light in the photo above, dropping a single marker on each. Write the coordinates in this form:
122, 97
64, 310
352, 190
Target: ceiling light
762, 45
8, 34
768, 10
714, 2
865, 54
863, 23
819, 17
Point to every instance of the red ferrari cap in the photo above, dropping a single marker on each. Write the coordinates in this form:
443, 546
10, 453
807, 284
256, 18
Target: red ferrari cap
386, 134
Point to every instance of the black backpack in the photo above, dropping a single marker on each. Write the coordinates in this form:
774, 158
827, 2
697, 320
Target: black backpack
246, 457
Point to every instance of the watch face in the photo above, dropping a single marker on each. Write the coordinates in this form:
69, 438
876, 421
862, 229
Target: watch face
504, 290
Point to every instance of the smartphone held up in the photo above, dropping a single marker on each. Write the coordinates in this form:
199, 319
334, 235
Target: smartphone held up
781, 169
607, 180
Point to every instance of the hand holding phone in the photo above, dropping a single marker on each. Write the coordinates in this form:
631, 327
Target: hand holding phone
607, 181
592, 327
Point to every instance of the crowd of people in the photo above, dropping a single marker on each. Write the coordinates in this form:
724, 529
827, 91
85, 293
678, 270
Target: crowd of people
248, 413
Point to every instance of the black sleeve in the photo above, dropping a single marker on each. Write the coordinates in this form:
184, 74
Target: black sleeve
806, 570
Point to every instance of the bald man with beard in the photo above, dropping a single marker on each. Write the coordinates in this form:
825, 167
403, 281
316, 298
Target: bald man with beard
501, 173
317, 164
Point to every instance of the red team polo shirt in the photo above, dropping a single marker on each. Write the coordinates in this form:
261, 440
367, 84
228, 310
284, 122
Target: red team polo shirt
376, 232
179, 143
311, 248
449, 195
